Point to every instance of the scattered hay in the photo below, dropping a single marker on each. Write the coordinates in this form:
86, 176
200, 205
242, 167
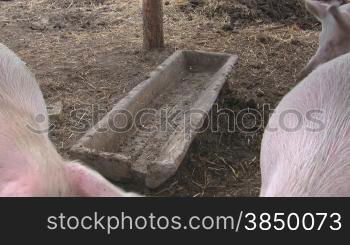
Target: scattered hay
66, 4
257, 11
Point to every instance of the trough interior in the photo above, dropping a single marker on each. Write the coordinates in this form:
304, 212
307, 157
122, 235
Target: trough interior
167, 95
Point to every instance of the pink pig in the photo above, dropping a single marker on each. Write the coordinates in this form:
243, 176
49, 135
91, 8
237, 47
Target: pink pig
335, 35
29, 163
306, 147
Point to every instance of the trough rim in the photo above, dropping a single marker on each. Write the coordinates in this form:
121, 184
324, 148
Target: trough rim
217, 81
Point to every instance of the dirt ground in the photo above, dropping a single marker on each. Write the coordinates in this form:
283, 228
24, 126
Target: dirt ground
88, 53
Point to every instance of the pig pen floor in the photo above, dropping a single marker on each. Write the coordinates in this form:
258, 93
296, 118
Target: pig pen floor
88, 55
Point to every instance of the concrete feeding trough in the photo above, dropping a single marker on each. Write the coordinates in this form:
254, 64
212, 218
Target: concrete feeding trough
146, 135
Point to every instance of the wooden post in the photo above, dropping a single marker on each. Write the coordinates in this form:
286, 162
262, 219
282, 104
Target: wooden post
153, 35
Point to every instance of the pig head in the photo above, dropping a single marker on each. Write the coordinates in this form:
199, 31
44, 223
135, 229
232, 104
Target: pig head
29, 163
334, 39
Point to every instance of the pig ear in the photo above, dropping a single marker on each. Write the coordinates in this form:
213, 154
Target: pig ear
339, 17
86, 182
317, 8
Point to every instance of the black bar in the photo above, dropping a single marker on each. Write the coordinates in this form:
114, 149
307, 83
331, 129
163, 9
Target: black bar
29, 219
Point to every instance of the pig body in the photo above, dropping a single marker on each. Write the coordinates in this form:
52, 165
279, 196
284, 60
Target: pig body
29, 163
305, 154
305, 149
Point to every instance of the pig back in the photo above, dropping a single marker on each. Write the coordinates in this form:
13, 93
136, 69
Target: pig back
306, 146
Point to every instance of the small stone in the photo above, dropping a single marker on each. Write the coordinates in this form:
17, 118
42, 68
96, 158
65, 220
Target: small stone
38, 26
55, 110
